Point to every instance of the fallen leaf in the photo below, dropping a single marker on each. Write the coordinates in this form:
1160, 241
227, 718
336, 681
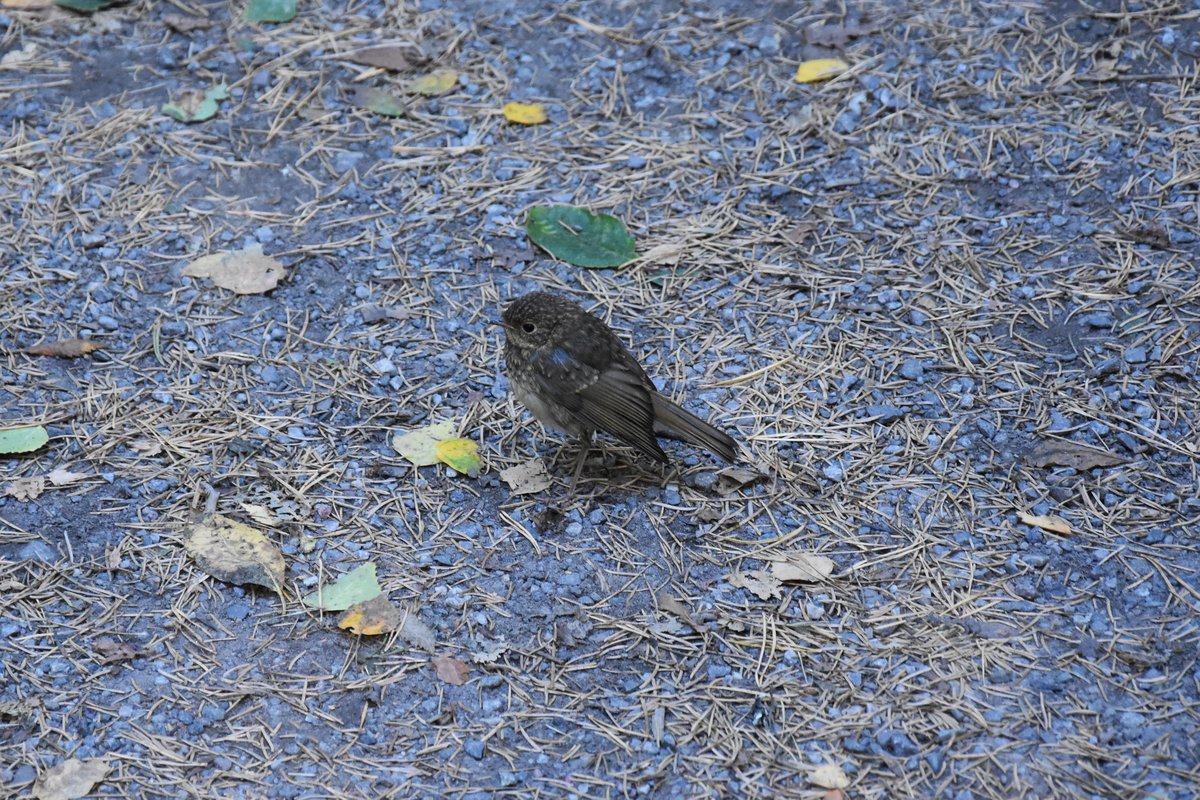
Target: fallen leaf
435, 83
760, 582
112, 651
730, 479
182, 23
87, 6
1066, 453
16, 710
417, 632
24, 489
796, 234
261, 514
374, 313
270, 10
828, 776
26, 4
667, 627
356, 586
668, 602
64, 348
61, 477
524, 113
666, 253
838, 35
420, 446
379, 101
1154, 234
529, 477
820, 69
460, 454
245, 271
233, 552
805, 567
491, 652
451, 670
146, 447
1045, 522
198, 105
27, 53
71, 779
396, 57
580, 237
22, 439
371, 617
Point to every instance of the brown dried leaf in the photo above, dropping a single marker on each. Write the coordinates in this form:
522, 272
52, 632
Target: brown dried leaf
64, 348
796, 234
760, 582
838, 35
529, 477
146, 447
396, 57
1045, 522
731, 479
374, 313
451, 670
71, 779
1065, 453
1154, 234
245, 271
668, 602
490, 652
25, 489
61, 477
112, 651
183, 23
233, 552
805, 567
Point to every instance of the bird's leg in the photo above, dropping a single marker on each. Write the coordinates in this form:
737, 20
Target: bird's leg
585, 444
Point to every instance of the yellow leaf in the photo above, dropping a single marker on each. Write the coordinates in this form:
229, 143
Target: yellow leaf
1045, 522
233, 552
420, 446
828, 776
245, 271
435, 83
462, 454
525, 113
820, 69
804, 567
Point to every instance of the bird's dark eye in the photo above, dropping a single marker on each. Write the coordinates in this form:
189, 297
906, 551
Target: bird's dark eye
529, 327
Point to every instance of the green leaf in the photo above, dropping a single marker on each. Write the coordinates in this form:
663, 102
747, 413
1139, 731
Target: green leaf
356, 586
24, 439
379, 101
271, 10
197, 106
86, 6
461, 454
579, 237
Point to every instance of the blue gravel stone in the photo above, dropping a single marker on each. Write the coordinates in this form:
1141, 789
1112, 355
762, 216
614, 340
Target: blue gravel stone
475, 748
885, 413
912, 369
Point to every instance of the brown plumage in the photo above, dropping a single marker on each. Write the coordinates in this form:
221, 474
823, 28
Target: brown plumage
573, 373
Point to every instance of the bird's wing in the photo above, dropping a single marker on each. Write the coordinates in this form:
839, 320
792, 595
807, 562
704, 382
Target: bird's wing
614, 399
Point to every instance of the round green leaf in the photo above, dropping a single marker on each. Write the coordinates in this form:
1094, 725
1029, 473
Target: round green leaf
271, 10
24, 439
86, 6
577, 236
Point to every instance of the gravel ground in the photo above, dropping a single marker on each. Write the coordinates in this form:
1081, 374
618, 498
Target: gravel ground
911, 292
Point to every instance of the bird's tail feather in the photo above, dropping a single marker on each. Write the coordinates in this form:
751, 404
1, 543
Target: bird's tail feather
676, 423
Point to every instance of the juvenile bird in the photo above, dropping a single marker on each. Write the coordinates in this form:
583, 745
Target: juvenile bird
572, 372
